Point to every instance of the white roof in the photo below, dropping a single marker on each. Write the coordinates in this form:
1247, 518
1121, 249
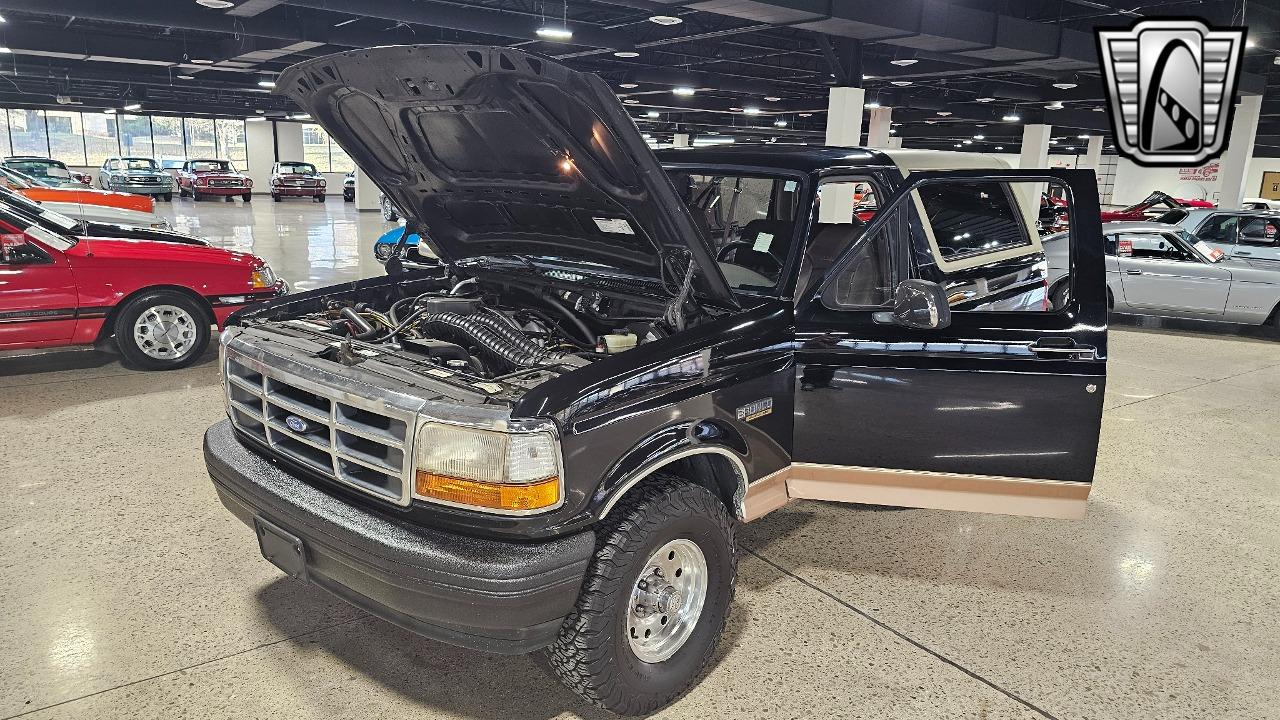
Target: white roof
911, 160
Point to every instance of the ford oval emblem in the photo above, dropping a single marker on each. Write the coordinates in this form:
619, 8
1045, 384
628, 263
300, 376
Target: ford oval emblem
297, 424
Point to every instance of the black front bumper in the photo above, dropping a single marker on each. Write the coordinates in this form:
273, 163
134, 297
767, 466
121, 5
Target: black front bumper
492, 595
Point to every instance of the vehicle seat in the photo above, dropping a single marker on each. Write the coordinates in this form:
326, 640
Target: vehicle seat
759, 260
829, 241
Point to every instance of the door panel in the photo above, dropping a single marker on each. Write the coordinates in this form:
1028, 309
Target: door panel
37, 302
999, 405
1174, 285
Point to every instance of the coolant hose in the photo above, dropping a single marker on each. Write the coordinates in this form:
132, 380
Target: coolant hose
362, 330
586, 336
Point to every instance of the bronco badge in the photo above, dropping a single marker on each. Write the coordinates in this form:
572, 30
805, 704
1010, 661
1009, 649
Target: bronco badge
754, 410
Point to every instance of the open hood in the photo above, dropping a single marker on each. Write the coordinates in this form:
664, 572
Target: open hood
494, 150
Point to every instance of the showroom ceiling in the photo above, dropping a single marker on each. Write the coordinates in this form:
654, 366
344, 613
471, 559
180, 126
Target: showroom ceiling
758, 69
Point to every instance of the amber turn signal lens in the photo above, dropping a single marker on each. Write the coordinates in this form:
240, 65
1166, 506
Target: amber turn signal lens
498, 496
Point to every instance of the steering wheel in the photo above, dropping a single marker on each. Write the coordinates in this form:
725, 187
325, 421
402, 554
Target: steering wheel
724, 252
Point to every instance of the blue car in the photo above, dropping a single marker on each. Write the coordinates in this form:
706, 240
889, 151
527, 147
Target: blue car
410, 255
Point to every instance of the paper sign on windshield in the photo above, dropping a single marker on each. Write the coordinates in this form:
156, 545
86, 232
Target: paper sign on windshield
1124, 248
1213, 253
762, 243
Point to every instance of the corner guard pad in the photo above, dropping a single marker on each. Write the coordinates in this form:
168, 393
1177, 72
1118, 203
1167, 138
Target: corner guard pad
917, 488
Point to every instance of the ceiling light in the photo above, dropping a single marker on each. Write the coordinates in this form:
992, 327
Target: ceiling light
5, 50
665, 20
651, 114
900, 83
185, 77
201, 61
1071, 148
718, 140
626, 54
255, 118
266, 83
871, 105
555, 33
1011, 117
806, 114
904, 62
133, 106
646, 136
772, 98
215, 4
346, 22
751, 110
261, 112
944, 113
893, 131
930, 122
999, 147
985, 99
968, 142
1053, 106
868, 77
2, 20
959, 145
1250, 43
780, 123
1053, 142
1064, 85
631, 101
1098, 109
979, 137
109, 111
628, 86
683, 91
300, 116
1083, 137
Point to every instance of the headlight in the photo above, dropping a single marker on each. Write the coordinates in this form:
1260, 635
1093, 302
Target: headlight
511, 472
263, 278
322, 182
248, 182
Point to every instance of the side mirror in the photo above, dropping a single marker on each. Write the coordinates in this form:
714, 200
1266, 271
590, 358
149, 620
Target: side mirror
918, 304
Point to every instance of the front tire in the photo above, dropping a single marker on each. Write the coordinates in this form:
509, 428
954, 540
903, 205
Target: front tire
162, 330
654, 602
168, 197
247, 197
319, 198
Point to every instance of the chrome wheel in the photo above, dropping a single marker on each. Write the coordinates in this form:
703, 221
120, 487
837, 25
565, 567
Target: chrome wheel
667, 600
165, 332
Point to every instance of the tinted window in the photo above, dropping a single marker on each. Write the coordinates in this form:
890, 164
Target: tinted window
973, 218
298, 168
210, 166
1218, 229
1258, 231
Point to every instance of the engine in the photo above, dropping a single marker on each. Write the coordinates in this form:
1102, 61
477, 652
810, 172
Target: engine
503, 333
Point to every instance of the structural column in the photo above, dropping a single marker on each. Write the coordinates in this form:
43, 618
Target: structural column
844, 129
366, 192
878, 127
1093, 154
1235, 161
681, 140
1035, 147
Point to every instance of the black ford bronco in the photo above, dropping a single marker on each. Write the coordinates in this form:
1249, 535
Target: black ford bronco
544, 441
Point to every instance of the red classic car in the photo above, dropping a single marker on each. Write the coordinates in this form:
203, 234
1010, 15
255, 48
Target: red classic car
157, 298
296, 179
205, 178
1157, 203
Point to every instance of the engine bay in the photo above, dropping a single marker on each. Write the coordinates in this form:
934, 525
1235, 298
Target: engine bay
495, 335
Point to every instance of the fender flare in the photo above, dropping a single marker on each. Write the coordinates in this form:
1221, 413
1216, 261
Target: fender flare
644, 471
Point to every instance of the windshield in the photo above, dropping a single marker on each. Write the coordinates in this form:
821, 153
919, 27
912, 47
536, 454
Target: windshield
298, 168
40, 168
17, 181
30, 208
47, 230
139, 164
211, 166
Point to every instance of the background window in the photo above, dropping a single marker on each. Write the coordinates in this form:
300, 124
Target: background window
200, 138
100, 140
166, 134
66, 136
339, 160
231, 140
26, 128
135, 136
315, 146
5, 148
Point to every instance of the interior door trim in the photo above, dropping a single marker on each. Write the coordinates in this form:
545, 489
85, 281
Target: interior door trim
917, 488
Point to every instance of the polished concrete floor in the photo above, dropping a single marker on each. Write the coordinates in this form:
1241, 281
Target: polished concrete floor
128, 592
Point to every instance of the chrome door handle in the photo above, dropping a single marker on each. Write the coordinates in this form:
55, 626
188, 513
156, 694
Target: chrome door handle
1132, 272
1242, 252
1081, 352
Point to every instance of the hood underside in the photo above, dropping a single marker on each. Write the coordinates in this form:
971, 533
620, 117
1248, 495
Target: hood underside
496, 151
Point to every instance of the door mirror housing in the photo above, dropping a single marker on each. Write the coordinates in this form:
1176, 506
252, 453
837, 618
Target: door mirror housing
919, 304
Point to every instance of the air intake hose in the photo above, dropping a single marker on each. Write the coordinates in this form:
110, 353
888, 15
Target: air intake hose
491, 342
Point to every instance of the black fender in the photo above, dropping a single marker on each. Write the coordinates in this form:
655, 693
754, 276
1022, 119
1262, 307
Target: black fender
708, 437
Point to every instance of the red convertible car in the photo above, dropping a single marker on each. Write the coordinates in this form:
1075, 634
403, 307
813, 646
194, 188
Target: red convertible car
213, 178
158, 299
296, 179
1157, 203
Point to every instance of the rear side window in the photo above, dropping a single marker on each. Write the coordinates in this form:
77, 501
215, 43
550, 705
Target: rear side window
1258, 231
972, 219
1218, 229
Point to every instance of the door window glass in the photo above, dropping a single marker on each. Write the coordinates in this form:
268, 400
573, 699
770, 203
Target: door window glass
838, 224
1218, 229
970, 219
15, 250
1259, 231
749, 221
1152, 246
